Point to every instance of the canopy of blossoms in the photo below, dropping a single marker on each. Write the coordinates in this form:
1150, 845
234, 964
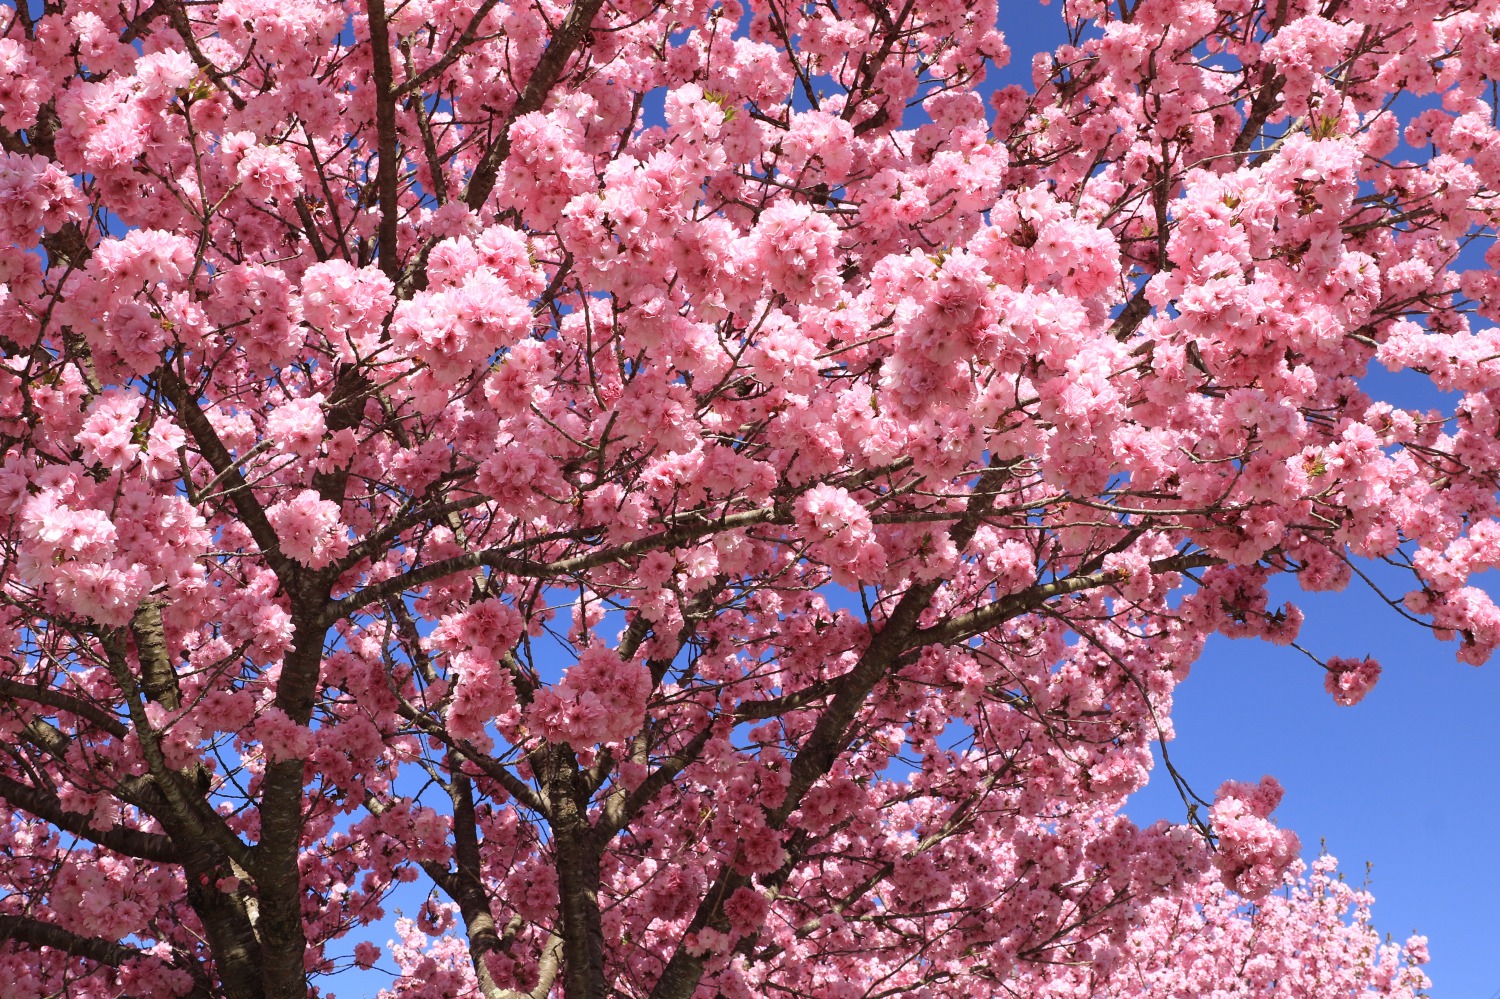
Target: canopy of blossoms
713, 497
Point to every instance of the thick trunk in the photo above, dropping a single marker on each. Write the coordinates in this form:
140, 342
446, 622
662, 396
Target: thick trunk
577, 861
680, 979
278, 877
231, 937
583, 932
279, 883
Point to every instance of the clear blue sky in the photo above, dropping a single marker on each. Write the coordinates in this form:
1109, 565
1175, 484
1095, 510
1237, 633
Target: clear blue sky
1407, 781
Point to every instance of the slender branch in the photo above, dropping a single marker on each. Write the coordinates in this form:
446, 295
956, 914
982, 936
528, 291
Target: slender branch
829, 736
494, 559
388, 150
618, 813
1130, 317
177, 14
251, 514
187, 808
962, 627
454, 51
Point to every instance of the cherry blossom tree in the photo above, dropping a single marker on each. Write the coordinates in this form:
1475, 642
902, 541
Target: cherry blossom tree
714, 496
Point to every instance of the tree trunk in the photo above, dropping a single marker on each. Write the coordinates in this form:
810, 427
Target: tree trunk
577, 859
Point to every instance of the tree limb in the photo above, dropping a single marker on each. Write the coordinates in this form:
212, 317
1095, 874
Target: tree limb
12, 690
24, 929
388, 153
121, 839
565, 41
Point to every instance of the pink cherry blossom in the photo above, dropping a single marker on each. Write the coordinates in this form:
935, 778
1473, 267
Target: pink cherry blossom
1253, 854
715, 499
1349, 680
309, 529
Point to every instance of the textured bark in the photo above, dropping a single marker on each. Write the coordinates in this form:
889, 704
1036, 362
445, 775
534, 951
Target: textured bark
277, 873
40, 934
576, 857
207, 849
388, 148
158, 678
121, 839
466, 886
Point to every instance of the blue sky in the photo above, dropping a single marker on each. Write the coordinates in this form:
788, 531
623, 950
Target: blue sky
1407, 781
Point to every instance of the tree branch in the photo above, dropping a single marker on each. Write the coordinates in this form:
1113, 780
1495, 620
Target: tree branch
123, 840
387, 180
177, 14
829, 735
976, 622
455, 50
565, 41
26, 930
51, 697
250, 512
497, 559
619, 812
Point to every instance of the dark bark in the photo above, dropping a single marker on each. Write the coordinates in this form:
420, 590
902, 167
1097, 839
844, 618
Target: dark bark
39, 934
388, 147
277, 874
564, 43
466, 885
576, 857
46, 806
208, 850
14, 691
247, 508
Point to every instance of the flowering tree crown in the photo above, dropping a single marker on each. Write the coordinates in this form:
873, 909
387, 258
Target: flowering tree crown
717, 493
